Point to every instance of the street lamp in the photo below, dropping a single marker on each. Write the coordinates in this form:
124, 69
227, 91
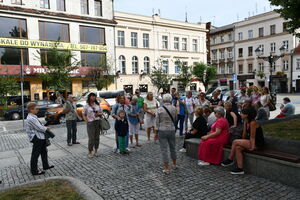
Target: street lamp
271, 59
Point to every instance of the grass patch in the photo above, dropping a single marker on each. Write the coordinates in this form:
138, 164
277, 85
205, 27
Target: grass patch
286, 129
51, 190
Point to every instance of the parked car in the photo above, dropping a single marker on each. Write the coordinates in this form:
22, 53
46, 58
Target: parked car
211, 90
109, 96
237, 93
16, 113
17, 100
56, 115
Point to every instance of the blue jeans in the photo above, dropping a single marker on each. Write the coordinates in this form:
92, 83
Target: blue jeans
180, 119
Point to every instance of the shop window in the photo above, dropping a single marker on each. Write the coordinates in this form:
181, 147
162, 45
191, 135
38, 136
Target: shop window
93, 59
14, 28
193, 87
13, 56
92, 35
143, 88
128, 89
54, 31
51, 57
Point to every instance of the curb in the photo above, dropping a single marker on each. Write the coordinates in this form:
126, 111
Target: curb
82, 189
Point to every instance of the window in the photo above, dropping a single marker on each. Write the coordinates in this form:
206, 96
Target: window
176, 43
241, 69
286, 44
214, 40
44, 4
122, 64
48, 58
13, 56
18, 2
92, 35
195, 45
135, 68
61, 5
86, 84
134, 39
184, 44
250, 68
214, 55
222, 69
165, 66
222, 54
14, 28
240, 35
240, 52
284, 27
262, 48
177, 67
229, 37
98, 7
272, 29
92, 59
54, 31
261, 67
298, 63
230, 54
222, 38
250, 34
165, 42
261, 32
121, 38
230, 68
147, 65
250, 51
285, 65
145, 40
84, 5
273, 47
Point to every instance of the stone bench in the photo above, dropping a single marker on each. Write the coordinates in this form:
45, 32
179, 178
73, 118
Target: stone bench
271, 162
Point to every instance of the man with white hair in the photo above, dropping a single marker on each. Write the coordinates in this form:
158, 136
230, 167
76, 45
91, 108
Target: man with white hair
71, 120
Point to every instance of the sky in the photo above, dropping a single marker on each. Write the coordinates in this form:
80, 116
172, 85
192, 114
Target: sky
219, 12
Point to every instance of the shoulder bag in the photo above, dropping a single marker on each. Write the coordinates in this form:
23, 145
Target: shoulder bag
169, 114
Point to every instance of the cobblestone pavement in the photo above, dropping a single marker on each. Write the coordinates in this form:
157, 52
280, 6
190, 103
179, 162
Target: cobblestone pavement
136, 176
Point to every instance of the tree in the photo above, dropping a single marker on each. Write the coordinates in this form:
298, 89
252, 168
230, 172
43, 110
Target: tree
289, 10
204, 73
185, 75
100, 75
8, 86
159, 78
58, 66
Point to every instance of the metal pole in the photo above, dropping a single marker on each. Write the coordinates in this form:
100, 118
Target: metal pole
270, 78
22, 94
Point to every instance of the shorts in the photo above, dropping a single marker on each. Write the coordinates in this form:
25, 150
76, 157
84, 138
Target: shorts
150, 121
133, 128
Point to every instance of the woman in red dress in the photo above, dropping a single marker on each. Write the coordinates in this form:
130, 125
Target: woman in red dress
211, 145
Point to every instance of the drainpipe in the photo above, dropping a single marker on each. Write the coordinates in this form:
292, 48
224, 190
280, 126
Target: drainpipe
115, 52
292, 61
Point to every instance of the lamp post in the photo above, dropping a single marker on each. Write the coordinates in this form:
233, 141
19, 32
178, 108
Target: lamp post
270, 59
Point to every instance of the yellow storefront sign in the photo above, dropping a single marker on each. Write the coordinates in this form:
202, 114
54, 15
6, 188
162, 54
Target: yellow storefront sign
12, 42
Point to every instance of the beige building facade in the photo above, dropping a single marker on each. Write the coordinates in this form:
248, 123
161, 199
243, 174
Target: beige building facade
145, 42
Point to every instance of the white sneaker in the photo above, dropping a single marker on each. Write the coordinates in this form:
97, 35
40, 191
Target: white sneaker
202, 163
129, 150
183, 150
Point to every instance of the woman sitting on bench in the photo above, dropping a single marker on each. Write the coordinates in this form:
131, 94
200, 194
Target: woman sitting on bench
252, 139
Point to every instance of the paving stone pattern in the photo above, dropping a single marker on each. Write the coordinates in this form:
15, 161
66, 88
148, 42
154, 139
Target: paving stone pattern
136, 176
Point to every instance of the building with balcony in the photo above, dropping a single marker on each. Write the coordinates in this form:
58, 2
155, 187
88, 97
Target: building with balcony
28, 28
222, 54
144, 42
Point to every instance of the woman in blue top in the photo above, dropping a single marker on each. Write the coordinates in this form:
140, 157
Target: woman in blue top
178, 102
133, 111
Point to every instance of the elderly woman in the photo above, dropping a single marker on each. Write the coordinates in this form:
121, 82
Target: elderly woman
265, 100
150, 108
252, 139
199, 127
215, 101
166, 117
201, 101
91, 114
36, 134
211, 146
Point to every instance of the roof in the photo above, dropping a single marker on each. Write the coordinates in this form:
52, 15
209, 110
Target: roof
225, 28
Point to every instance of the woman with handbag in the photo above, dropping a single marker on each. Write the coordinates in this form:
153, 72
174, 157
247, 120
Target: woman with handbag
265, 100
36, 134
91, 115
165, 120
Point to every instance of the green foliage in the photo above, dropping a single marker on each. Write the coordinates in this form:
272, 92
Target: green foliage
204, 73
185, 75
8, 86
260, 74
159, 78
58, 66
290, 11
